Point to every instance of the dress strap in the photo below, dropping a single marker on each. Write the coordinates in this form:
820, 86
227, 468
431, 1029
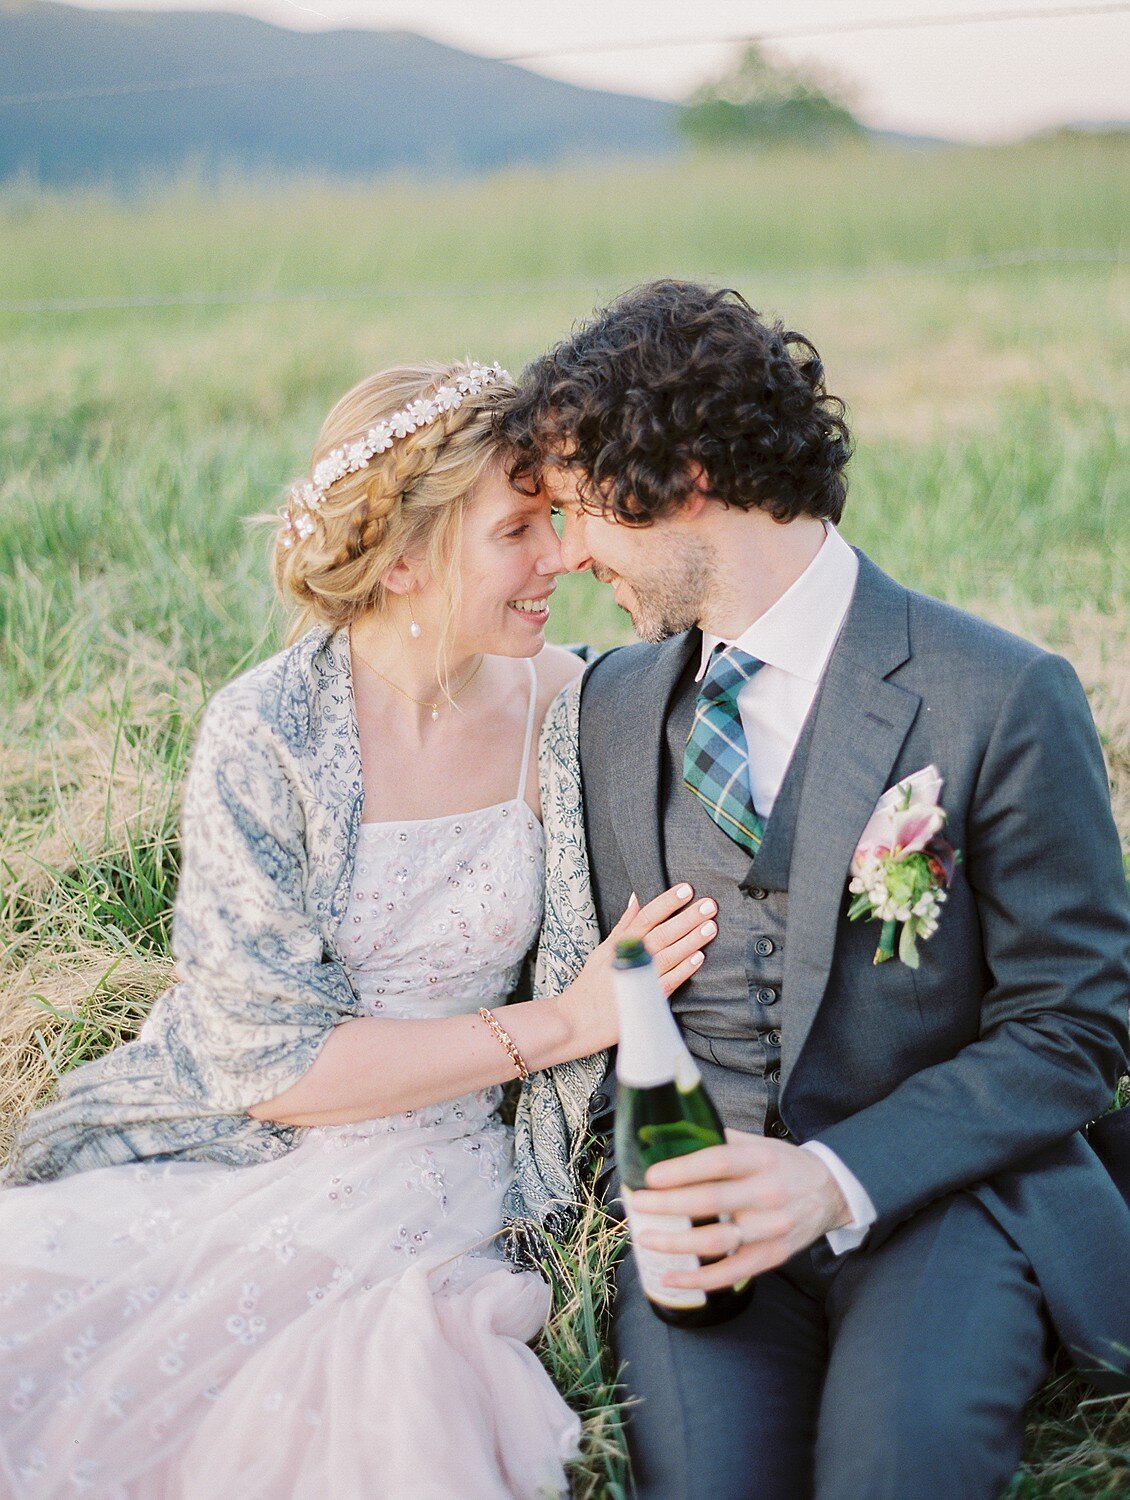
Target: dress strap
529, 729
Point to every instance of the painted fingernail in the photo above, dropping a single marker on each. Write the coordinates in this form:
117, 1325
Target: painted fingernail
708, 929
684, 892
696, 958
706, 908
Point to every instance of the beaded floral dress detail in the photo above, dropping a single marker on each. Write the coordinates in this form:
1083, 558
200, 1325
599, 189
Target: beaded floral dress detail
338, 1320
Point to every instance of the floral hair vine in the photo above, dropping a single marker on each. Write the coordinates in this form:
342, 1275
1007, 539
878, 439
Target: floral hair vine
307, 496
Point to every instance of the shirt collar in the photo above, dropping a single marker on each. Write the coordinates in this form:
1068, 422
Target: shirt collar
798, 632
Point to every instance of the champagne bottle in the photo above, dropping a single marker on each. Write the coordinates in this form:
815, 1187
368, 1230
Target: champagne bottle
662, 1110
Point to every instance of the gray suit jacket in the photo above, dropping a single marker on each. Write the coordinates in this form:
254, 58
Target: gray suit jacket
979, 1069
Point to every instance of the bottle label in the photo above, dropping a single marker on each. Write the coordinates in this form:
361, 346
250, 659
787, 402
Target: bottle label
653, 1264
687, 1075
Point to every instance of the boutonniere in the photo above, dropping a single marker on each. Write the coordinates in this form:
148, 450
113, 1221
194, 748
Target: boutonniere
901, 867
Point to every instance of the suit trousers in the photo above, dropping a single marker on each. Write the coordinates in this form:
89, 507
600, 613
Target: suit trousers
895, 1374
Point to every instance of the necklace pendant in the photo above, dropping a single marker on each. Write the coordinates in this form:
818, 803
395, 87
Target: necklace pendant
435, 713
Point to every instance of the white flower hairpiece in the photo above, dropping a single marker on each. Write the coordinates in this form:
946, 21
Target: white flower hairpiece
306, 497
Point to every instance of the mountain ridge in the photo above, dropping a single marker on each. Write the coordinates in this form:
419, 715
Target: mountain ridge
116, 96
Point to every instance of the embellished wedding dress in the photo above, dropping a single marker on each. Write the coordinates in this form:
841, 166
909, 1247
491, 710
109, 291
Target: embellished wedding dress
335, 1322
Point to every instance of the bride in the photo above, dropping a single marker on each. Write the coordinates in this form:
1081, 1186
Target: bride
254, 1251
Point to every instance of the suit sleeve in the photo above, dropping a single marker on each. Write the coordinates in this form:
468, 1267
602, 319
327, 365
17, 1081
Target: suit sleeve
1042, 858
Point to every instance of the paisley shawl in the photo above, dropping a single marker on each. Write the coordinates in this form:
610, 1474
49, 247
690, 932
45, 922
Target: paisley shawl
551, 1125
272, 805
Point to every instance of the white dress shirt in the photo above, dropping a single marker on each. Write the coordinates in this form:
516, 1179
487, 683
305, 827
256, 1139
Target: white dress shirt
794, 638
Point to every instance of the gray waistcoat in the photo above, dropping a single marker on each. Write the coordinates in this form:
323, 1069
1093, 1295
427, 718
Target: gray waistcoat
732, 1013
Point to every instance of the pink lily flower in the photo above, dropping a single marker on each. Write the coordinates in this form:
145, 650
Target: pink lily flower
905, 819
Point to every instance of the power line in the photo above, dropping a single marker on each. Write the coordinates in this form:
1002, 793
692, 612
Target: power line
901, 270
892, 23
842, 28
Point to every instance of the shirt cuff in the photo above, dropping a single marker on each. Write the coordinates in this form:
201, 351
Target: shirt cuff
862, 1210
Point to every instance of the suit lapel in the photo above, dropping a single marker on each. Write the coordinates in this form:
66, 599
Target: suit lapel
862, 721
637, 780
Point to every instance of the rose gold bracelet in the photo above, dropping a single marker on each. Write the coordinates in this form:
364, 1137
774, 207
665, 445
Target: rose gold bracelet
506, 1041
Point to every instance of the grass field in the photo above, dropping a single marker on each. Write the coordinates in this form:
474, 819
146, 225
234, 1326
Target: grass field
973, 310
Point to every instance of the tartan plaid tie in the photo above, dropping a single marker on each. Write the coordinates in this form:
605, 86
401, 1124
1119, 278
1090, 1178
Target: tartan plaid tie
716, 761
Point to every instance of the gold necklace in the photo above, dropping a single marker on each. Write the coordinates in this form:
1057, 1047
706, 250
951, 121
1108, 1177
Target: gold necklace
419, 702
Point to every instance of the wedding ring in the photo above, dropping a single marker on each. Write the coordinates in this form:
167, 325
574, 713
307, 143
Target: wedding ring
737, 1228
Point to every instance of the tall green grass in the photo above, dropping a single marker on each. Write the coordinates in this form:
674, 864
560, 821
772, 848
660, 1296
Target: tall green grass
990, 407
791, 212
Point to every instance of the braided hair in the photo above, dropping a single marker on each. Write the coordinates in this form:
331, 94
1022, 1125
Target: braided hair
408, 500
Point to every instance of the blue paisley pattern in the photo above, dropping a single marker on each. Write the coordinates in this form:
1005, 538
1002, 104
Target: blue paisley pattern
551, 1125
272, 806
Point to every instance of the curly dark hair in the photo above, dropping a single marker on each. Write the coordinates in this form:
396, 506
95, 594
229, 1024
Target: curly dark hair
672, 373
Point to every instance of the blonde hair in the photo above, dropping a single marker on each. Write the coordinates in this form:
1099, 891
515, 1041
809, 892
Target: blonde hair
408, 501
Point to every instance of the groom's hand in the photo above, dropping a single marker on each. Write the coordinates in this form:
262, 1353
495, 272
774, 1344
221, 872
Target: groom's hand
776, 1198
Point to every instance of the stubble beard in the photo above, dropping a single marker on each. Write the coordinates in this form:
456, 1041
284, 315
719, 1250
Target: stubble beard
672, 597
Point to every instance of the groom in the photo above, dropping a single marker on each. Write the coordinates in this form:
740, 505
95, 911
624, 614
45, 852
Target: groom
904, 1173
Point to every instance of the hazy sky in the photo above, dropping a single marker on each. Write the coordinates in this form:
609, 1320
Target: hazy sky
983, 81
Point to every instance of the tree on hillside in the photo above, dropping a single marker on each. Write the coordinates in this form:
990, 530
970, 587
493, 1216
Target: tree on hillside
760, 103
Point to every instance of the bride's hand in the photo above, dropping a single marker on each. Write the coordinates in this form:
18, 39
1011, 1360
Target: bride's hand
674, 928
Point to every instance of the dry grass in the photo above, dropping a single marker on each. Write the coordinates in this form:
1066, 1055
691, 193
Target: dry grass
990, 412
575, 1348
1078, 1444
88, 813
105, 789
65, 999
98, 794
62, 1007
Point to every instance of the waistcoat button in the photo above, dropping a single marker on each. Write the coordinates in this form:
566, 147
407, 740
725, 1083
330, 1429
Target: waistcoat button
774, 1075
766, 996
764, 946
779, 1128
757, 893
773, 1038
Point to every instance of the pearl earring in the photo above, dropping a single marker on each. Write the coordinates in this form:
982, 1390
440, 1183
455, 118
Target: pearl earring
413, 629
